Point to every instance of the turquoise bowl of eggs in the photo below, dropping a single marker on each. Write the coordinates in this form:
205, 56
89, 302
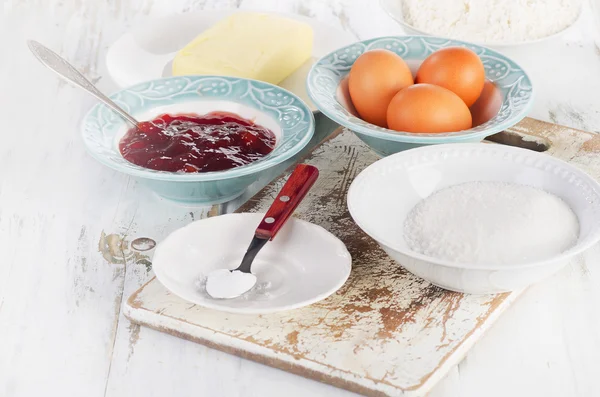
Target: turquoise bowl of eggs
275, 109
504, 93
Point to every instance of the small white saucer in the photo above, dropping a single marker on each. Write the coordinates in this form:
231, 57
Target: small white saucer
147, 51
302, 265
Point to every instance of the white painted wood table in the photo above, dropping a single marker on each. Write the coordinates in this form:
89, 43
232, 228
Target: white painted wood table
65, 224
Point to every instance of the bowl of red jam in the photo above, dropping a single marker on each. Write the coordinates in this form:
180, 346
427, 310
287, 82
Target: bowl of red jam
201, 139
215, 141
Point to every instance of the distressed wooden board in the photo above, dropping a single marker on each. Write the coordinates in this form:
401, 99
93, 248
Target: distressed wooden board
385, 332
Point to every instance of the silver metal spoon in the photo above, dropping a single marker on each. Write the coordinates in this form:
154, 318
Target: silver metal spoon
65, 70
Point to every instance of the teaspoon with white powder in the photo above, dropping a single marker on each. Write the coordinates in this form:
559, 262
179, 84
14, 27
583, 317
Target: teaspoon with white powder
228, 284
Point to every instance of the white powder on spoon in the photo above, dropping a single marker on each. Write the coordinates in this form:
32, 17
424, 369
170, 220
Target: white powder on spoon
227, 284
491, 223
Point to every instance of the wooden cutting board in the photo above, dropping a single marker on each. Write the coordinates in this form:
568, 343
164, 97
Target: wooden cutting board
385, 332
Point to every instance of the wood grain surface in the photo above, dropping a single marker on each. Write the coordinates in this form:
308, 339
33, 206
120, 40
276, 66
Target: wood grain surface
385, 332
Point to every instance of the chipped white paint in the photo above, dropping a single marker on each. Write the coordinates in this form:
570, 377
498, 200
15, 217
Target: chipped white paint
61, 326
344, 348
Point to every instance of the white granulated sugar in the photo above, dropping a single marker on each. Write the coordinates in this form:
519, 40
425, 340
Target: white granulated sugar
491, 223
491, 21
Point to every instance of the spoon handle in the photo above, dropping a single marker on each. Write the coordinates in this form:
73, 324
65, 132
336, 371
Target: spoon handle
292, 193
64, 69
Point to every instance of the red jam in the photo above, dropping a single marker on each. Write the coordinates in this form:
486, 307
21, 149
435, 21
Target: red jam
191, 143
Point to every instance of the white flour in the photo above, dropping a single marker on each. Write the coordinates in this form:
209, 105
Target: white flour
491, 21
491, 223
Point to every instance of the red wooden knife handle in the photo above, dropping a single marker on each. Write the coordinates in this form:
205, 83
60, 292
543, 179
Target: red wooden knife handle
292, 193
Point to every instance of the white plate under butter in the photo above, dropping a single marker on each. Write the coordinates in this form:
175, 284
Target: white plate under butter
302, 265
147, 51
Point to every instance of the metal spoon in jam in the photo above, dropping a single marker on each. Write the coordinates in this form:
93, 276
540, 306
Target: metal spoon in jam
176, 143
65, 70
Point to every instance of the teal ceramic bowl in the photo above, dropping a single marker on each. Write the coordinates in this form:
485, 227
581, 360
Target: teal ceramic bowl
270, 106
326, 88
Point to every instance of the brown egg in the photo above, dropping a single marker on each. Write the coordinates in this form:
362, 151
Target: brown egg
487, 105
375, 78
456, 68
428, 108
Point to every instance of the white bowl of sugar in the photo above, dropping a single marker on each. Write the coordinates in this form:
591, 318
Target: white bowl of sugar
477, 218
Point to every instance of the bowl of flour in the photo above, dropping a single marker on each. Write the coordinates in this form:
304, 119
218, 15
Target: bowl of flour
477, 218
495, 23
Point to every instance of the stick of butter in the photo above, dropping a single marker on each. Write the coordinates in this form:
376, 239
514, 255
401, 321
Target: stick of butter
250, 45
